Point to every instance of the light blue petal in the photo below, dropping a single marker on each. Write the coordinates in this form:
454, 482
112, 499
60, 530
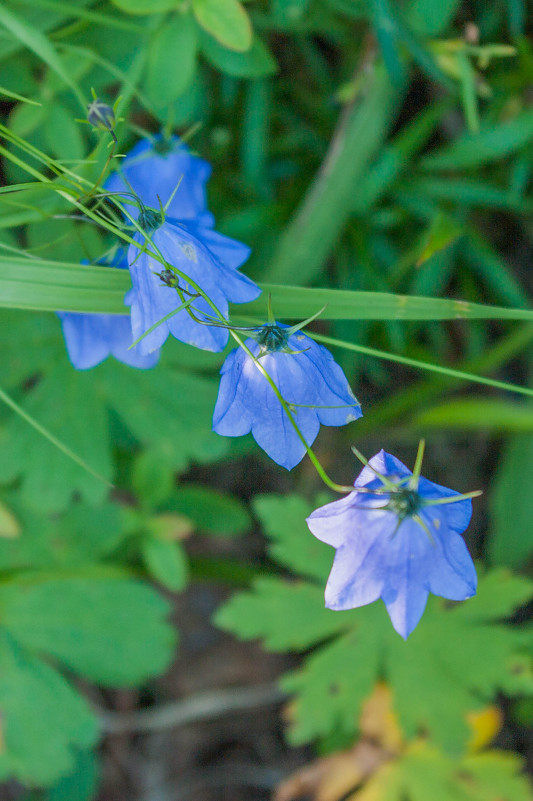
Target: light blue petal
231, 252
348, 587
85, 341
231, 417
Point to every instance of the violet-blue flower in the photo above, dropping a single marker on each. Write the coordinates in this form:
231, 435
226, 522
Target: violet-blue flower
396, 538
204, 256
309, 380
91, 338
154, 169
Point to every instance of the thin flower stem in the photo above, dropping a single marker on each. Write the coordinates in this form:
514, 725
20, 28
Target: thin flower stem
417, 469
453, 498
8, 400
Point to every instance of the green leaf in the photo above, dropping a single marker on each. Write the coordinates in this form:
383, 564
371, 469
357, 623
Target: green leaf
81, 784
108, 630
492, 143
63, 134
44, 721
256, 62
442, 232
153, 476
478, 413
36, 41
429, 18
462, 643
146, 6
211, 511
283, 520
171, 59
511, 503
81, 536
285, 616
65, 403
226, 20
165, 562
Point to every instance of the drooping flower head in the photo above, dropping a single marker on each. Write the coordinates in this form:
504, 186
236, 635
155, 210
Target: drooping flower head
309, 380
397, 537
153, 169
91, 338
207, 259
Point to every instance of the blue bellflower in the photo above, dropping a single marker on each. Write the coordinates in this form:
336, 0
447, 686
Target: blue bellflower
203, 255
91, 338
309, 380
155, 169
393, 543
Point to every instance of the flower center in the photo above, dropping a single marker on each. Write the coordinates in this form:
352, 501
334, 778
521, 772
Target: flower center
404, 503
272, 338
163, 146
150, 220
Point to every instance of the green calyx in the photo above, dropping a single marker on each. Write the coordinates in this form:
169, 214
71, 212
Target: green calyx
150, 220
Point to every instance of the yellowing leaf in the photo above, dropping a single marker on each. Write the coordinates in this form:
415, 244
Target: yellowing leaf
9, 525
379, 721
485, 725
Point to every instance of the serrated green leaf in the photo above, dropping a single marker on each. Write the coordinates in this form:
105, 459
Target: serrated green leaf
44, 721
166, 562
166, 407
226, 20
511, 502
81, 536
256, 62
457, 659
285, 616
211, 511
67, 405
111, 631
171, 59
283, 520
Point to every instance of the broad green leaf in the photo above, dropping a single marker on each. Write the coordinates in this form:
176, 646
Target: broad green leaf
146, 6
63, 134
171, 59
478, 413
285, 616
48, 286
170, 408
79, 785
310, 236
211, 511
82, 535
511, 501
108, 630
461, 646
9, 524
226, 20
69, 406
166, 562
44, 720
422, 772
256, 62
490, 144
153, 476
283, 520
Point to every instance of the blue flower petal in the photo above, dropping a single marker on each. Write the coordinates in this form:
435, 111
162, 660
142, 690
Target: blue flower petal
152, 299
154, 175
308, 380
397, 559
91, 338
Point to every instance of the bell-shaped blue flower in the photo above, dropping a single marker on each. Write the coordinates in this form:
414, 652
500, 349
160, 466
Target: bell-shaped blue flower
396, 538
91, 338
309, 380
208, 259
154, 169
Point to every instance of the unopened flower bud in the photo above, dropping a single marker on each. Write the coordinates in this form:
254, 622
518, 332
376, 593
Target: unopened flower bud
100, 115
